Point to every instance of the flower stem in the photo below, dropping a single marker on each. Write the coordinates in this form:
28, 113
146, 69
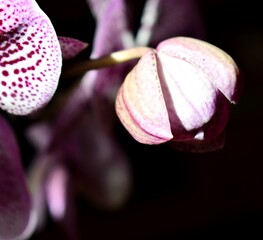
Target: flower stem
79, 68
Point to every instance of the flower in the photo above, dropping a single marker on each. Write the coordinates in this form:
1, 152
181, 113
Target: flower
78, 145
30, 57
180, 92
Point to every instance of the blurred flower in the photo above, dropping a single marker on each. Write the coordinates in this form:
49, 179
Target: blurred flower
30, 57
15, 202
180, 92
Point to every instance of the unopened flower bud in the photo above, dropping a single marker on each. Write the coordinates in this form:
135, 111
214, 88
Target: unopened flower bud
181, 92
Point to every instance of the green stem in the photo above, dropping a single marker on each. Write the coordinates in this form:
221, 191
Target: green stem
79, 68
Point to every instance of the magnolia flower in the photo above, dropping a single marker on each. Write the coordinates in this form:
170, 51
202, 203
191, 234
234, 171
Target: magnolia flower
30, 57
180, 92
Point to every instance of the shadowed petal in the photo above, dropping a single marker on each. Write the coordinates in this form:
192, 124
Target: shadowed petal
169, 18
15, 204
200, 146
98, 164
30, 57
71, 47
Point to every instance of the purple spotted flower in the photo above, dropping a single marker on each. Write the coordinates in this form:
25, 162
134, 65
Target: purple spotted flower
30, 65
30, 57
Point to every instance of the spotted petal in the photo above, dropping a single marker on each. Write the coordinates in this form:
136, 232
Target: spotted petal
71, 47
30, 57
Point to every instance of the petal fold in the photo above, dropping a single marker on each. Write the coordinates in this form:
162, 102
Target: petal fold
140, 103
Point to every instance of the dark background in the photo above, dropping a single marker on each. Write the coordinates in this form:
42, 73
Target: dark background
179, 195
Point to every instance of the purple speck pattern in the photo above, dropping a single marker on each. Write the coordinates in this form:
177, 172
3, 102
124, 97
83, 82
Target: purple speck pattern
30, 57
71, 47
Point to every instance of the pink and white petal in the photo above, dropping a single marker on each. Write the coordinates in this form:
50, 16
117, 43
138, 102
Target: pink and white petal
189, 95
71, 47
30, 57
15, 202
216, 64
140, 103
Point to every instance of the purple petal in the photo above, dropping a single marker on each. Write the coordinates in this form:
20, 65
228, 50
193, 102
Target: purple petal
97, 7
15, 204
39, 135
169, 18
112, 33
100, 167
71, 47
30, 57
199, 146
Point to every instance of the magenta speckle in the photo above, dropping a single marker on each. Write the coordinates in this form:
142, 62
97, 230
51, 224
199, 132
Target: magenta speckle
5, 73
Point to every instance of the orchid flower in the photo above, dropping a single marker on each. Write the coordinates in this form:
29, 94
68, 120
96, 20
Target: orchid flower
108, 171
181, 92
78, 147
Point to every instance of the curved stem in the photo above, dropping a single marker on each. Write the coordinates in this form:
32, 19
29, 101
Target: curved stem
114, 58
